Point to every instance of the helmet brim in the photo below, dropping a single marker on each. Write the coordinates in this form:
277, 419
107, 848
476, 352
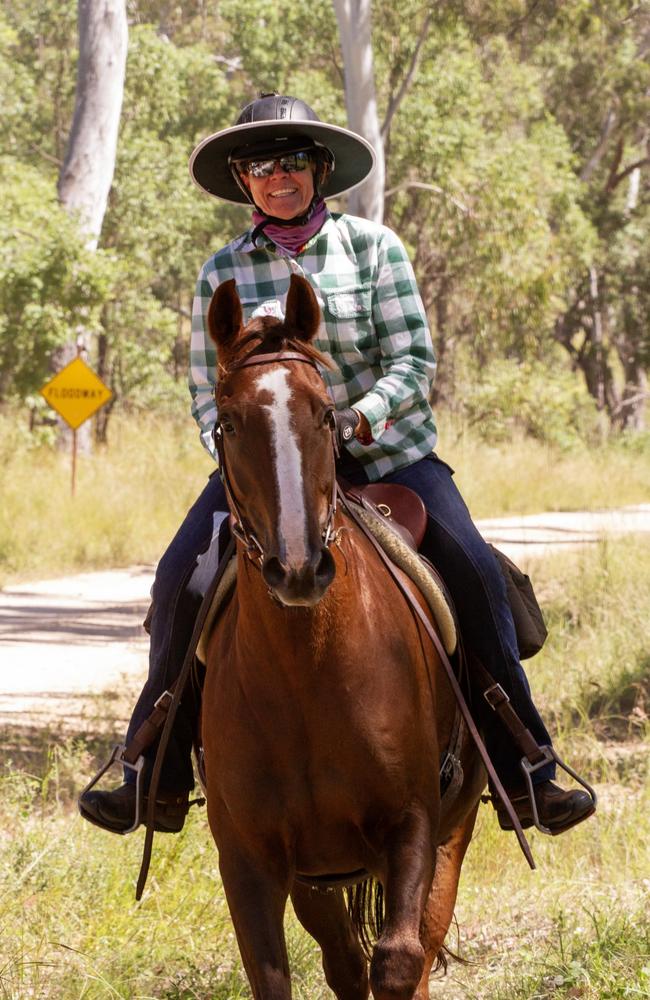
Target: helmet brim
210, 169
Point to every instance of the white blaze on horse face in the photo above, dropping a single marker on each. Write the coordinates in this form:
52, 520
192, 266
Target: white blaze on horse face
287, 459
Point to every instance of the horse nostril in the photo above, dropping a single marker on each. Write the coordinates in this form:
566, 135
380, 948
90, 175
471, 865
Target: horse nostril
273, 571
326, 568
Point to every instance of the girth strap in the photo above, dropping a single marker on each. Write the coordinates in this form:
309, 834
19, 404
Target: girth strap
405, 587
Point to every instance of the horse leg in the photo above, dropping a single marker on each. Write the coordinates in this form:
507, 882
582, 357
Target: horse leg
257, 902
324, 915
439, 909
398, 958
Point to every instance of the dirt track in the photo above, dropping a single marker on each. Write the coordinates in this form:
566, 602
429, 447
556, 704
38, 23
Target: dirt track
64, 641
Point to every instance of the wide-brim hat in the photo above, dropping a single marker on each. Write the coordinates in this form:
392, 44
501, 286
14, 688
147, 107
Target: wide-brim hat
210, 163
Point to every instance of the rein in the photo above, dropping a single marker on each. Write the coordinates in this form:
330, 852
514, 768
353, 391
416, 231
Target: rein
239, 527
408, 593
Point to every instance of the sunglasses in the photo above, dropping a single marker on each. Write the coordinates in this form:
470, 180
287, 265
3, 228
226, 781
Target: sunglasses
291, 163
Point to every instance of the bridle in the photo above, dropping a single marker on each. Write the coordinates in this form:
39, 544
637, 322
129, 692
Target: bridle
239, 527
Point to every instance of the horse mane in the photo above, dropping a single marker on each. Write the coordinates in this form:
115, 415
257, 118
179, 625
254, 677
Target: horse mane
267, 335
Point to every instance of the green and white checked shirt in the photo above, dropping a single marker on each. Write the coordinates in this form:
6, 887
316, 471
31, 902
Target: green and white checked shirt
374, 330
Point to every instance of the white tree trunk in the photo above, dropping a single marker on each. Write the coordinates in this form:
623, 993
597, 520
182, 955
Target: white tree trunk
633, 187
354, 19
87, 173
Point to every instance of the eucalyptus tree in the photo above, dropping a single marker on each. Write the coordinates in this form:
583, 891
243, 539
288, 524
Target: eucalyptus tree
355, 31
516, 172
87, 171
480, 183
49, 282
594, 62
599, 90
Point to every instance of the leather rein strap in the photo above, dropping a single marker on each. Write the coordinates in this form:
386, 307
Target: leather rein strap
172, 707
405, 587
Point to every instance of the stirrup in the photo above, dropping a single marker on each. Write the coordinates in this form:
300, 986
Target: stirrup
117, 757
549, 755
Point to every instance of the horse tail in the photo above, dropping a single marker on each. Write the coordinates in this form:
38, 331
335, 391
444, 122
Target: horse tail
365, 903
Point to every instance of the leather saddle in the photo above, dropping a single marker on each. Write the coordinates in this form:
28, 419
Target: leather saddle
400, 506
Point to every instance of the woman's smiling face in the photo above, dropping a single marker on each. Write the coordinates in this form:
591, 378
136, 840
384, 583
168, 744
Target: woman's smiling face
282, 194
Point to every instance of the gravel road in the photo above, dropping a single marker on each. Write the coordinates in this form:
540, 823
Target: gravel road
64, 641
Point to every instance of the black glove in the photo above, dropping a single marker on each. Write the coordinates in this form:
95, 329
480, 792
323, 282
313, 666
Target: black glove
345, 425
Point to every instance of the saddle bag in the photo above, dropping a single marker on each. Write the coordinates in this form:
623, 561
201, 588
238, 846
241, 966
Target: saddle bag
527, 615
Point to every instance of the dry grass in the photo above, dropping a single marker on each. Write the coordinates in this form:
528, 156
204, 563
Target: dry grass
132, 495
130, 498
576, 928
526, 476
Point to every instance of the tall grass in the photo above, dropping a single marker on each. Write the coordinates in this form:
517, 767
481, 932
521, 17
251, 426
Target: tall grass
577, 927
593, 675
132, 495
580, 925
525, 476
129, 500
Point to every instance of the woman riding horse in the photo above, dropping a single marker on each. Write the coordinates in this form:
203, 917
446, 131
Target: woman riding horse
284, 161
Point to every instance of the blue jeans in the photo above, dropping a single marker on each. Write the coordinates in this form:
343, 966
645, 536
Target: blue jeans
453, 545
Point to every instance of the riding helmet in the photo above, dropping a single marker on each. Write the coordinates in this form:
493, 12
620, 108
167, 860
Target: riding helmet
274, 124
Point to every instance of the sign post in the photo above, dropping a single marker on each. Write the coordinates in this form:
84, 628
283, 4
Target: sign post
76, 392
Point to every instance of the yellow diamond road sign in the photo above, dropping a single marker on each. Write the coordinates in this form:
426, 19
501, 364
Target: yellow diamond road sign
76, 393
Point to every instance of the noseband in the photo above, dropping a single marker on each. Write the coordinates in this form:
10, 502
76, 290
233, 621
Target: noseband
244, 534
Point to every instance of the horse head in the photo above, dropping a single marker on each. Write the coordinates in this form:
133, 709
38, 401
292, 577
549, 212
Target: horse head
275, 440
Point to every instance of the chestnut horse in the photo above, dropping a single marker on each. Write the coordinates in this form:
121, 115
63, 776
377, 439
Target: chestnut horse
325, 706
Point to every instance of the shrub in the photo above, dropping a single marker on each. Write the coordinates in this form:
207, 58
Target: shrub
540, 400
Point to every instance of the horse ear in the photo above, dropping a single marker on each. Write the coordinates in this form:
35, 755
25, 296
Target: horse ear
225, 315
302, 314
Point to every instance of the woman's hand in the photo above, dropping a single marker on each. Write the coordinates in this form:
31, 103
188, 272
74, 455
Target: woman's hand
351, 423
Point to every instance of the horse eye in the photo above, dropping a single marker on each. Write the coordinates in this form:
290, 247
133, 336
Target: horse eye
227, 427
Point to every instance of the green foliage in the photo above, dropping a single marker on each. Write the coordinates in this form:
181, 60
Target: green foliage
541, 400
49, 283
499, 177
287, 46
497, 231
37, 78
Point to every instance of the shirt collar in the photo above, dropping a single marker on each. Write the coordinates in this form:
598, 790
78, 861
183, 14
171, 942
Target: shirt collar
245, 244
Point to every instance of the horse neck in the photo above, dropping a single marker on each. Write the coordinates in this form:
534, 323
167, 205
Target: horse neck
294, 634
259, 611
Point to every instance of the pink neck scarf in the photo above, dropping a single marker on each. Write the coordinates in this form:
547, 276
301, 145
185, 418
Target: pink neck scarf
292, 238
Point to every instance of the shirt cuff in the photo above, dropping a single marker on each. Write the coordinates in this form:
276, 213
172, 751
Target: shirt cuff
375, 411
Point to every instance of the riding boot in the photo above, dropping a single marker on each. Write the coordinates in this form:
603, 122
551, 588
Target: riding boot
558, 809
115, 810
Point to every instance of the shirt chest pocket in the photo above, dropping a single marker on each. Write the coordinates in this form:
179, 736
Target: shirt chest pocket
350, 303
348, 317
